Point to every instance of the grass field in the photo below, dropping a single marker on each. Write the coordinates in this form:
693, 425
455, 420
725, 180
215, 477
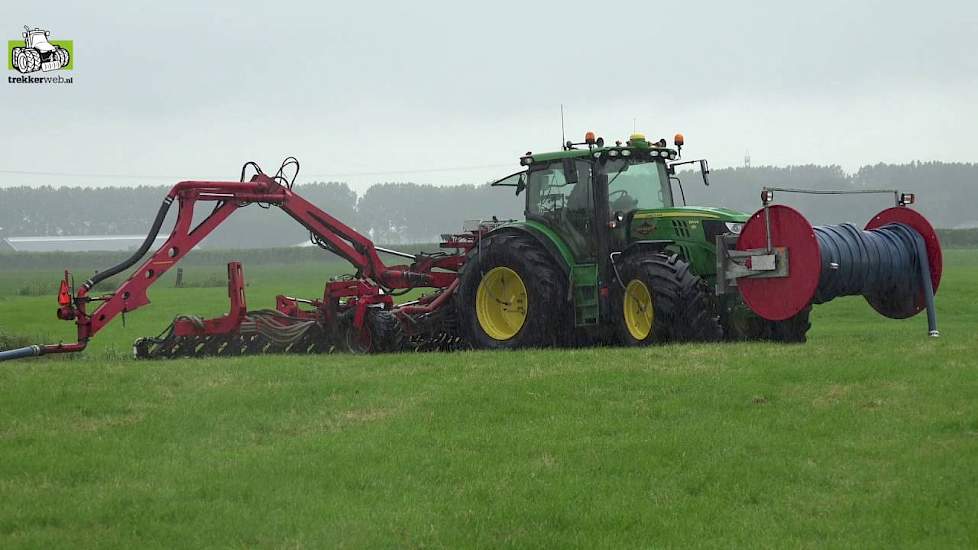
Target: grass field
865, 436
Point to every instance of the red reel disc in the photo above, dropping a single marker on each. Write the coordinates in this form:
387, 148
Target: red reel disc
779, 298
935, 258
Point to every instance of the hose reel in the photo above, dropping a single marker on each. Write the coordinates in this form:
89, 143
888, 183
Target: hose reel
781, 263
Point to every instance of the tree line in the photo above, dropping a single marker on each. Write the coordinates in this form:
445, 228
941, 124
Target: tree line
947, 193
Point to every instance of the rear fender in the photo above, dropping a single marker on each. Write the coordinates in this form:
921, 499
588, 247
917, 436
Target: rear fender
544, 241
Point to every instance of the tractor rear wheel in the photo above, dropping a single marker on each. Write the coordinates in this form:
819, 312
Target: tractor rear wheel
63, 57
23, 62
512, 294
663, 300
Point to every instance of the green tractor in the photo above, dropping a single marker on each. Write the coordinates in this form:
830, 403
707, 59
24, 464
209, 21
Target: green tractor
607, 255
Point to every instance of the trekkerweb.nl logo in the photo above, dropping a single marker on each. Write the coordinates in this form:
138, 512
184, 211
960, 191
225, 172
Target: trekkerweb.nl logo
35, 52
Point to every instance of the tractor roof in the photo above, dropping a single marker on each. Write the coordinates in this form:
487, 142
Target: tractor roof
636, 142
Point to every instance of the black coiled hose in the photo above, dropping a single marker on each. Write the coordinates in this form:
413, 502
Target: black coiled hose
888, 265
879, 262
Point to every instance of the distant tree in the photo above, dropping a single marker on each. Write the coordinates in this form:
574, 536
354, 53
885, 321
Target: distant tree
410, 212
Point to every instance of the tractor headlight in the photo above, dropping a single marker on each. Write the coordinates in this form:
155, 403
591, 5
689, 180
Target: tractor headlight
734, 227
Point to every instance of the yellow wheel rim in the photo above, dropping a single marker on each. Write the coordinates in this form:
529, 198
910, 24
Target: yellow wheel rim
639, 311
500, 303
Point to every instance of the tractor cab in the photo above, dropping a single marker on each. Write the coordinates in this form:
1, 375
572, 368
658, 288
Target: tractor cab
37, 39
588, 188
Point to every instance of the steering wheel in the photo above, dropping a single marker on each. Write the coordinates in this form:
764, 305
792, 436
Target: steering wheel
621, 200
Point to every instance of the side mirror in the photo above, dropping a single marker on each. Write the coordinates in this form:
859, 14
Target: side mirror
705, 170
521, 183
570, 171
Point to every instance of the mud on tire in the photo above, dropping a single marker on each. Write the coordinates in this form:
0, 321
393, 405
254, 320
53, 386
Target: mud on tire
682, 309
546, 320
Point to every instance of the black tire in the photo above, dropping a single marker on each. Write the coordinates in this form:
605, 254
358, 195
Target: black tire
545, 322
682, 308
740, 324
24, 62
793, 330
387, 335
34, 57
14, 53
383, 334
63, 57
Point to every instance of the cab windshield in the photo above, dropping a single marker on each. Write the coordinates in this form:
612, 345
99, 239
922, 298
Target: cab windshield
635, 184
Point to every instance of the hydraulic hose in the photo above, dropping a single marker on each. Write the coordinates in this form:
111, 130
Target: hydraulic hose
138, 254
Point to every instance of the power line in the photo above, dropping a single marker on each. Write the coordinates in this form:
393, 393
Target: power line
418, 171
322, 175
75, 175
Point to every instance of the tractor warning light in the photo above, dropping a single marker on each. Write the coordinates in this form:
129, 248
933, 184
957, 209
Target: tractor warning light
589, 138
679, 140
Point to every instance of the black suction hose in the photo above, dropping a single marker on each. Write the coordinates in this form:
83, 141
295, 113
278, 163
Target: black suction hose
126, 264
20, 353
928, 286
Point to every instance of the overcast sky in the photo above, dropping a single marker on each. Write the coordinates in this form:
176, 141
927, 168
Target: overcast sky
453, 92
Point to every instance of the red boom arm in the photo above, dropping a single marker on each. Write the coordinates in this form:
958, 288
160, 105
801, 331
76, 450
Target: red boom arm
229, 196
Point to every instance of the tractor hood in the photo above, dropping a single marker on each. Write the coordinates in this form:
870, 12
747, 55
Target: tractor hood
682, 223
693, 213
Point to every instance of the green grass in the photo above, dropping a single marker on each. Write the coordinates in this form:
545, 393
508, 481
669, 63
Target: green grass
865, 436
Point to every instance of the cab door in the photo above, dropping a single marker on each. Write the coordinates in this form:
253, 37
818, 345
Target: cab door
560, 195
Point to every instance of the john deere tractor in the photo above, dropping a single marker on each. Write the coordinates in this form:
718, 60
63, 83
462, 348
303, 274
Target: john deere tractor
606, 254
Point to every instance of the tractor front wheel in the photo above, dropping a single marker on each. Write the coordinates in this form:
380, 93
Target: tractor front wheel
739, 323
663, 300
512, 295
33, 62
793, 330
